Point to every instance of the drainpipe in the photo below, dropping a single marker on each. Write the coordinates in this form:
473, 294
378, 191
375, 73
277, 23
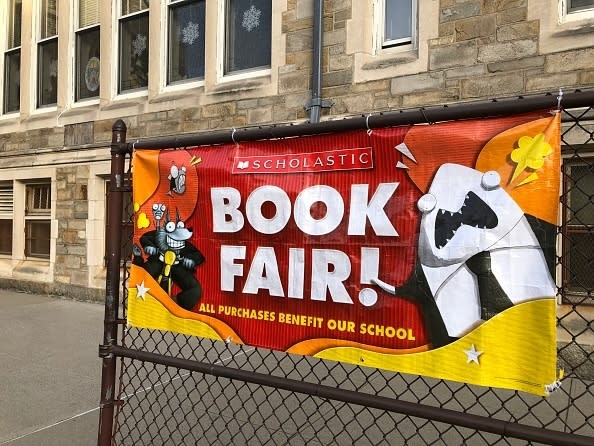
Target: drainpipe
316, 102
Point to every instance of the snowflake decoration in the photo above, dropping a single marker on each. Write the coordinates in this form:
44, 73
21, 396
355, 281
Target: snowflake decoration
53, 68
139, 45
251, 18
190, 33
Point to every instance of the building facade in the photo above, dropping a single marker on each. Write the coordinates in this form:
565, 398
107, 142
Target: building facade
72, 67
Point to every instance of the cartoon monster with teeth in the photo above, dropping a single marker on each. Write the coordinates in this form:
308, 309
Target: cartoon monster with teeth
479, 254
171, 258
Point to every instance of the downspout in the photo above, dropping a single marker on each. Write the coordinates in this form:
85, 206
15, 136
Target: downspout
316, 102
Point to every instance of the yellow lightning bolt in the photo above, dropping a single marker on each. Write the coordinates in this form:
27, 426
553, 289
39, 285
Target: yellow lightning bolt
530, 154
195, 161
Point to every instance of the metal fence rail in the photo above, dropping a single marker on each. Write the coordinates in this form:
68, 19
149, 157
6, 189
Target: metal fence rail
176, 389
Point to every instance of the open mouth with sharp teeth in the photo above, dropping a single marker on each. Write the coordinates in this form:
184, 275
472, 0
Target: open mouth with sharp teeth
175, 244
474, 212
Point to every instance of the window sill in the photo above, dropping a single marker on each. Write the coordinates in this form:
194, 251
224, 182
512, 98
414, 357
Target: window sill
178, 91
237, 84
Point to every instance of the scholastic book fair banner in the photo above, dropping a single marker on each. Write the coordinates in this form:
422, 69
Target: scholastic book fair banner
425, 249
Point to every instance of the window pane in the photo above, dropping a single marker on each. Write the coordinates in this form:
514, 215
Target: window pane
398, 20
38, 199
130, 6
12, 81
88, 12
47, 73
49, 19
14, 24
6, 237
37, 238
87, 63
579, 261
580, 4
186, 41
134, 52
581, 195
248, 34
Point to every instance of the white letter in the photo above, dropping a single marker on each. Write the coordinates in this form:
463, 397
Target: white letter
225, 202
296, 272
253, 209
264, 274
361, 210
334, 210
230, 269
325, 277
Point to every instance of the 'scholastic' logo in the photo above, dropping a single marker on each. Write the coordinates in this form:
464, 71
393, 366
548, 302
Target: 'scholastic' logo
337, 159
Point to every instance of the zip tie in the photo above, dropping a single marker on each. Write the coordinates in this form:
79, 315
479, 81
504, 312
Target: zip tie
559, 98
233, 137
369, 130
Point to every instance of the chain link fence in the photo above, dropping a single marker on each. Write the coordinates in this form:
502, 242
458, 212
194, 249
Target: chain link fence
157, 402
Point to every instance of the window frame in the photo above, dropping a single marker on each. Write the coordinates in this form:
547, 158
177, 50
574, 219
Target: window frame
40, 43
117, 48
570, 294
37, 215
7, 194
166, 12
10, 50
77, 32
569, 10
222, 75
404, 43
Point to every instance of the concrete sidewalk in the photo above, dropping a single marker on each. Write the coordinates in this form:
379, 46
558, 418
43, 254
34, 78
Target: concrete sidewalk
50, 372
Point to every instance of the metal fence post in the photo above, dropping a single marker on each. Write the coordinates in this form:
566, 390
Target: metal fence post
119, 149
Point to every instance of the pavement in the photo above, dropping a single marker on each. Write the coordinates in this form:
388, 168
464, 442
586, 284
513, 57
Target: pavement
50, 372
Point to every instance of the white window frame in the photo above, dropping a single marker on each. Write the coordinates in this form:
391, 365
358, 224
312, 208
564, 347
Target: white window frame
557, 28
404, 44
221, 32
115, 54
402, 60
566, 16
164, 56
37, 22
5, 19
74, 57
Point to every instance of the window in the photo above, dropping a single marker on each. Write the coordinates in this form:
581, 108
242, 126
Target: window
578, 200
247, 35
134, 42
6, 216
47, 55
12, 58
579, 5
87, 50
37, 220
186, 40
398, 22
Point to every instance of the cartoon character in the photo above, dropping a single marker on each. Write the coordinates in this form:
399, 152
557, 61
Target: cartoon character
171, 258
177, 179
478, 254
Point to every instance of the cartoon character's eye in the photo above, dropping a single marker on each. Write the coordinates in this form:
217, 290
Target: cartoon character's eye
174, 171
426, 203
163, 207
170, 226
490, 180
180, 224
155, 206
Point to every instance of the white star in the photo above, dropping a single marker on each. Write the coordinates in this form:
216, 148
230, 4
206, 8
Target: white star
473, 355
141, 290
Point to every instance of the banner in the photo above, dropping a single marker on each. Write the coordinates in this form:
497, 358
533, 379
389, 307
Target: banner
425, 249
